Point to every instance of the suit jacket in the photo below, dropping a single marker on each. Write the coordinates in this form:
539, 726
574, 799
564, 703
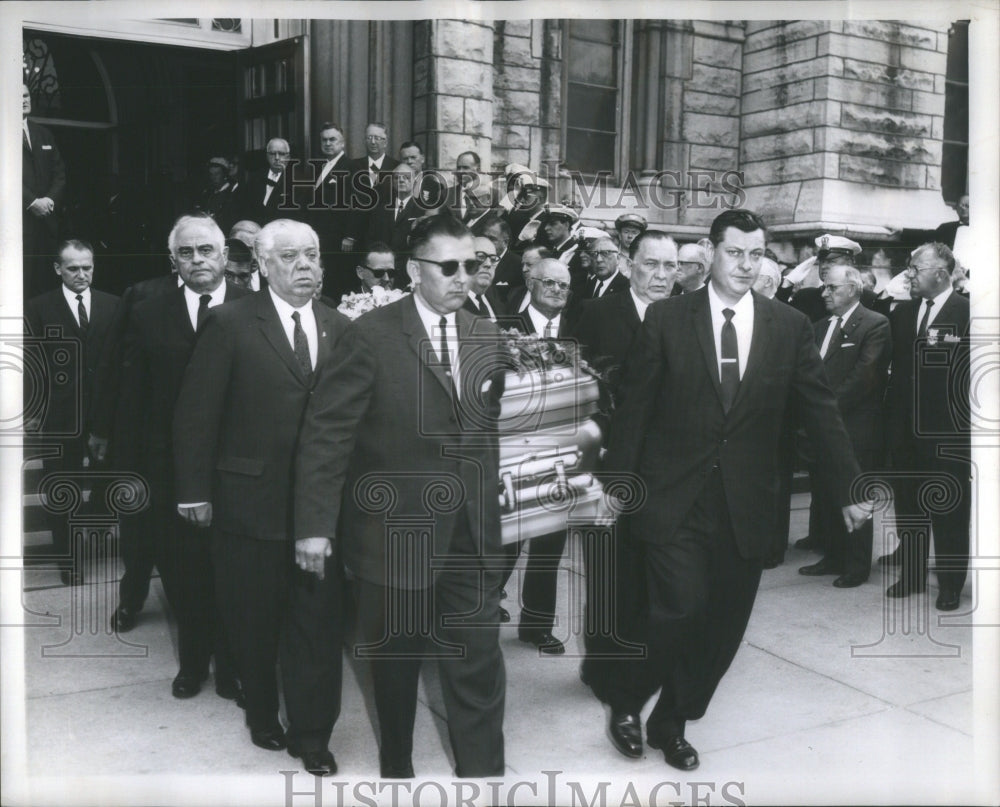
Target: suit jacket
332, 214
387, 461
109, 366
499, 309
606, 330
945, 233
474, 207
618, 285
43, 172
925, 406
857, 364
383, 224
158, 343
508, 277
671, 427
238, 414
279, 203
69, 405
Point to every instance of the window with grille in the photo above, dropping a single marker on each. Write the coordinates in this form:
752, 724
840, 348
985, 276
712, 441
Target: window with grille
955, 155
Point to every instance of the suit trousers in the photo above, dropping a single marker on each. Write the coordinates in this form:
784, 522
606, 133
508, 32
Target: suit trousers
699, 595
944, 506
541, 578
615, 587
850, 552
138, 553
454, 622
183, 556
278, 615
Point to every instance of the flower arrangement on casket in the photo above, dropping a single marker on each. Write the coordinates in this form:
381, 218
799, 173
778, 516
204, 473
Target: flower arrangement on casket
357, 303
549, 445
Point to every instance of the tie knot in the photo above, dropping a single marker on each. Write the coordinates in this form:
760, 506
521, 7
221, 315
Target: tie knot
930, 303
295, 316
443, 322
205, 299
728, 314
79, 298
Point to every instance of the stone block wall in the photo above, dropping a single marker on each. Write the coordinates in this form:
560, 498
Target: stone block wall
842, 122
453, 104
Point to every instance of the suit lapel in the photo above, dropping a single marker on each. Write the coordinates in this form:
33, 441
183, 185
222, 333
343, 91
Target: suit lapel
324, 332
274, 333
419, 341
758, 347
179, 312
701, 321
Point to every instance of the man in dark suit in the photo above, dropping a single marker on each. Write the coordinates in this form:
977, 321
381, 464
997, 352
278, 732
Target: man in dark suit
507, 275
82, 315
604, 267
464, 200
605, 332
43, 183
397, 465
331, 212
159, 338
236, 427
855, 346
548, 286
482, 300
267, 193
377, 267
929, 426
710, 380
393, 218
945, 233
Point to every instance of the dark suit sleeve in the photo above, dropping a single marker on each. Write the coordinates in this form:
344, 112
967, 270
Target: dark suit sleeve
107, 375
637, 396
336, 409
131, 404
813, 399
867, 377
200, 409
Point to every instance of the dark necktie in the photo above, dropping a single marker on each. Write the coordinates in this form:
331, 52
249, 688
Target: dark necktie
81, 311
24, 135
477, 301
445, 355
730, 374
922, 330
203, 302
272, 182
301, 346
550, 330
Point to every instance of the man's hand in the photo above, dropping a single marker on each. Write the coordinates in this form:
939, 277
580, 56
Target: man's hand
98, 447
42, 207
200, 515
855, 515
311, 554
608, 510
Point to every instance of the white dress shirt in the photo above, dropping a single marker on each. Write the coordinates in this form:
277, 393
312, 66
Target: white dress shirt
328, 168
431, 320
255, 281
939, 301
742, 322
603, 285
540, 321
964, 249
306, 318
481, 299
836, 323
193, 300
374, 167
640, 306
27, 134
269, 188
74, 304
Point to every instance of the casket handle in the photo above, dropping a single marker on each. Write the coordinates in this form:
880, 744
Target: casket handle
508, 499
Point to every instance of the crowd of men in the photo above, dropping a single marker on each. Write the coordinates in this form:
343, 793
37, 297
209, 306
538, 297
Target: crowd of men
306, 473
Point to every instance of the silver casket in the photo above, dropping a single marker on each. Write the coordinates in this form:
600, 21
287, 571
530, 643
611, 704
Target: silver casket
549, 449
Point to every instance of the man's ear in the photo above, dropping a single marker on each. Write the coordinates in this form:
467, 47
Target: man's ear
413, 270
358, 270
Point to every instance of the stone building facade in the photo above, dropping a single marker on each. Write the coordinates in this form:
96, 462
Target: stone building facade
849, 126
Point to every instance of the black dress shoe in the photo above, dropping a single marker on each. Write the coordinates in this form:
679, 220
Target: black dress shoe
817, 569
850, 580
543, 640
399, 769
71, 577
123, 619
900, 589
186, 686
504, 615
318, 763
806, 543
892, 559
231, 690
677, 752
270, 739
772, 563
625, 731
948, 600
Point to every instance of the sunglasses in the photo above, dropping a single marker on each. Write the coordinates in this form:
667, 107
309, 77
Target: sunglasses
449, 268
378, 272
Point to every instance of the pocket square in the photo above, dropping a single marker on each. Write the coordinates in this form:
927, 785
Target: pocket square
847, 344
46, 148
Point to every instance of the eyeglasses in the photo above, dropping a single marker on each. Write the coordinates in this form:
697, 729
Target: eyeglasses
378, 272
205, 250
449, 268
832, 287
552, 285
278, 153
482, 257
376, 138
604, 253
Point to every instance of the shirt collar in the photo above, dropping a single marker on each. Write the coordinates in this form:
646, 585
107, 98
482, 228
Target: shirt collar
640, 305
275, 175
284, 308
940, 299
742, 308
218, 296
603, 284
430, 317
848, 313
539, 320
70, 296
377, 163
